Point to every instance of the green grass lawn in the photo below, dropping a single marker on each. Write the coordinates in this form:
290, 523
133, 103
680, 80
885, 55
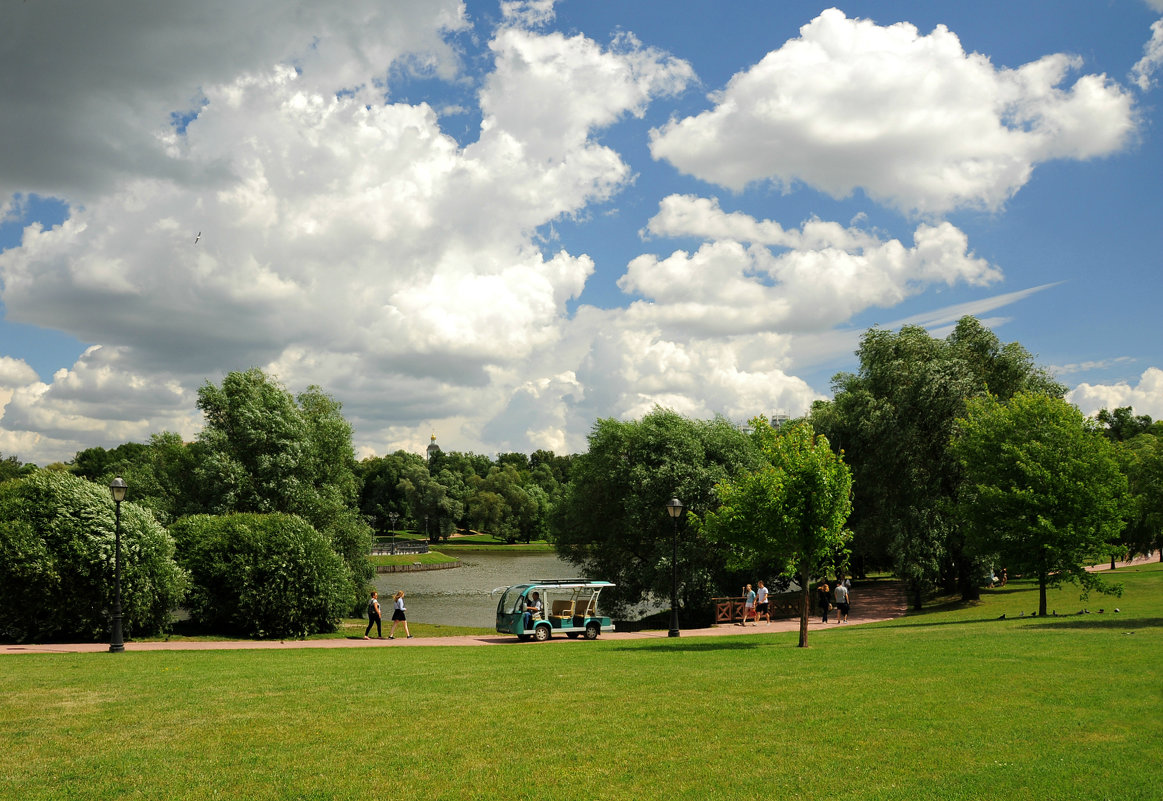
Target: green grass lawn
950, 703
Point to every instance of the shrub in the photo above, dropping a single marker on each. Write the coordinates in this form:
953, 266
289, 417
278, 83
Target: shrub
57, 562
259, 575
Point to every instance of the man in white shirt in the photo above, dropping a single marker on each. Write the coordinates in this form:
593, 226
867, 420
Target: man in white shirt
761, 604
842, 605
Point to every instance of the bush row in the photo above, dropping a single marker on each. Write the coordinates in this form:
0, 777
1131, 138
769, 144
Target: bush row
257, 575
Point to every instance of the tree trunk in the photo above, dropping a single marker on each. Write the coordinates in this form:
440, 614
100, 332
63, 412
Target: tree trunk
1041, 594
918, 600
807, 597
1112, 561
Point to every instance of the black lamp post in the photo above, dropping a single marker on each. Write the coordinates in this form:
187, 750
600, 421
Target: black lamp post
393, 517
117, 487
674, 507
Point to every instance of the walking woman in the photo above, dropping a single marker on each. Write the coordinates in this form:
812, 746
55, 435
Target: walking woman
398, 616
824, 598
373, 616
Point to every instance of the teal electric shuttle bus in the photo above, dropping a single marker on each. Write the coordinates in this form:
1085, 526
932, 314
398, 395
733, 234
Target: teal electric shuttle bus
539, 609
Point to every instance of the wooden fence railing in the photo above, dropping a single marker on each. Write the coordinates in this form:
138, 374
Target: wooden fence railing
730, 610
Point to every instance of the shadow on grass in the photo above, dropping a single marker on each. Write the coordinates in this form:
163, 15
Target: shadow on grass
1090, 621
680, 645
1104, 622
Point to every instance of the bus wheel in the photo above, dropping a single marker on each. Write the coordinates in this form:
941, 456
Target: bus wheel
592, 631
541, 633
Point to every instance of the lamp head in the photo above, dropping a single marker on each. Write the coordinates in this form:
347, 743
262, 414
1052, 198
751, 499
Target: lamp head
674, 507
118, 487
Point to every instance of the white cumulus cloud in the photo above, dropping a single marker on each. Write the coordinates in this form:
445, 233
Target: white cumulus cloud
912, 119
755, 275
1146, 397
1143, 73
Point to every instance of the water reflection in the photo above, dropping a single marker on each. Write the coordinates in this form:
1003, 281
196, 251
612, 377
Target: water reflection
462, 596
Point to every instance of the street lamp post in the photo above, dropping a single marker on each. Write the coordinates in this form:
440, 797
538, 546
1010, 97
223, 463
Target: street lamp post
393, 517
117, 487
674, 507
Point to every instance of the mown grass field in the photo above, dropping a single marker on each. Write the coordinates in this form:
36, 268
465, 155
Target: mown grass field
950, 703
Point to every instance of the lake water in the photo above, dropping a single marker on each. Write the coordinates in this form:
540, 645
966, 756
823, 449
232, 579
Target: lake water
462, 596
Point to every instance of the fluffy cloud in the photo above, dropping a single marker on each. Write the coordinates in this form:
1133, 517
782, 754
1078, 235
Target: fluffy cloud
1143, 73
912, 119
349, 240
1145, 398
97, 82
755, 275
343, 242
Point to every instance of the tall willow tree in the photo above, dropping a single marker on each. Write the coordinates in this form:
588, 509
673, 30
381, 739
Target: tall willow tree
792, 510
894, 420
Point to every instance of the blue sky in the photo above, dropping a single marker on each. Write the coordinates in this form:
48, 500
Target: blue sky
501, 221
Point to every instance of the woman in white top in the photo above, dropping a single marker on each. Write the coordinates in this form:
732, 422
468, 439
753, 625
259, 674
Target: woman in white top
398, 616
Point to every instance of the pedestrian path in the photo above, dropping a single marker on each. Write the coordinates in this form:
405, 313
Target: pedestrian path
870, 604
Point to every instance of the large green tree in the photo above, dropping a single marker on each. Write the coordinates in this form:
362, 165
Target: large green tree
894, 419
430, 503
1142, 462
57, 555
266, 451
380, 493
791, 511
1042, 488
612, 521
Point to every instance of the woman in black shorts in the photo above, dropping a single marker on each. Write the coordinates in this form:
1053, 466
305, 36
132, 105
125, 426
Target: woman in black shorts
398, 616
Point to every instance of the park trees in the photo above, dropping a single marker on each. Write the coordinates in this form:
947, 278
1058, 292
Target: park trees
612, 522
791, 510
11, 467
1042, 489
57, 561
261, 575
263, 451
894, 420
429, 502
1141, 458
381, 494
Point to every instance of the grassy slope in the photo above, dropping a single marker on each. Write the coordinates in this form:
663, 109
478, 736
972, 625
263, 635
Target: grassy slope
948, 704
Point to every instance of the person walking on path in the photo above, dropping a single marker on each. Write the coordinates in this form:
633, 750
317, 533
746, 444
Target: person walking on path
824, 599
398, 616
748, 604
842, 604
373, 616
762, 607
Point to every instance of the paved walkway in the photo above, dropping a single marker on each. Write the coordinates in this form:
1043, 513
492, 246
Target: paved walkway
871, 604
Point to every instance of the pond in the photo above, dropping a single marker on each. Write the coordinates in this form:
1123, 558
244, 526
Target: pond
462, 596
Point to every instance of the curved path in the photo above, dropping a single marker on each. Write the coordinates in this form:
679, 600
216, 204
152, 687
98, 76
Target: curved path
871, 603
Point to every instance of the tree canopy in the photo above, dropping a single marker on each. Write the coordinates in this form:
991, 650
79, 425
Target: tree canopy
1043, 492
57, 549
791, 510
894, 420
612, 520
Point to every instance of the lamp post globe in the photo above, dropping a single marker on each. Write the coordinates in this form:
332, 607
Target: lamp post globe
674, 509
393, 517
117, 489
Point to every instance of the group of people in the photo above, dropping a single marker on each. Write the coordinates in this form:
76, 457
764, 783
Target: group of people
755, 604
825, 596
374, 616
